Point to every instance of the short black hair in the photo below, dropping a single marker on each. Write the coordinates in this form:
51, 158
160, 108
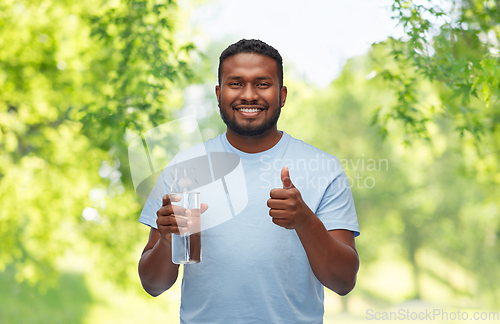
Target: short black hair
252, 46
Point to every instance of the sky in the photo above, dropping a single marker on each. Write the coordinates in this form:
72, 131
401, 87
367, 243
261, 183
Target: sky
316, 37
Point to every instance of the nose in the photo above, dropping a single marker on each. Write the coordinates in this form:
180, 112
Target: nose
249, 93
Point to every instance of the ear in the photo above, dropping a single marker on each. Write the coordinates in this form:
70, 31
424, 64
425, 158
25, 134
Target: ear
217, 94
284, 92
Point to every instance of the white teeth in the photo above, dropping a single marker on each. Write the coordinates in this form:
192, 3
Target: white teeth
249, 109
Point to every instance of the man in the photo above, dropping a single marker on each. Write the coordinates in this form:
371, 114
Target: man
269, 263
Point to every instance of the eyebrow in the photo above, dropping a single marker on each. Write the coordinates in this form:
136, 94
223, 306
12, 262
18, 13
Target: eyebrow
258, 78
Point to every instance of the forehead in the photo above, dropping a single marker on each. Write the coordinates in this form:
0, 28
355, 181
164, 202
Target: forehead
249, 65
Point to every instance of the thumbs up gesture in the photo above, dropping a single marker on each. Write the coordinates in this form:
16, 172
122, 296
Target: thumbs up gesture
287, 208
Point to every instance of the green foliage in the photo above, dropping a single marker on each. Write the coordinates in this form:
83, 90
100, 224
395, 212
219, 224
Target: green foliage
410, 200
75, 77
457, 48
66, 303
142, 62
79, 79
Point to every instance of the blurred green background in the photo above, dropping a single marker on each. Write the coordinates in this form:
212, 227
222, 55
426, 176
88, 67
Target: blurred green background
414, 123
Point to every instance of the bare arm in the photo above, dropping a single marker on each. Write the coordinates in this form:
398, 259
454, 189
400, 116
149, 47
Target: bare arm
156, 269
331, 254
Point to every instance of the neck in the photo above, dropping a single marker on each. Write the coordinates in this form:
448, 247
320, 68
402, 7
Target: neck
255, 144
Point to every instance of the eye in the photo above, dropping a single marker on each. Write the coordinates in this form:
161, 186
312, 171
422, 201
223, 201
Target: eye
234, 84
263, 85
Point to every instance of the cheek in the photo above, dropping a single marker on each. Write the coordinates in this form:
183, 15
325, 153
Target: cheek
228, 97
271, 97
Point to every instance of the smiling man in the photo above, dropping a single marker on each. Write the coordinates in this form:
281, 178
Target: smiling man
253, 95
270, 262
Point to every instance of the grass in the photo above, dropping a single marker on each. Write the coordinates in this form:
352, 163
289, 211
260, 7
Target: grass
68, 302
82, 297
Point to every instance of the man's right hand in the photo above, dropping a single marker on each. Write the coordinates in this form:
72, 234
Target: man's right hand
156, 269
173, 219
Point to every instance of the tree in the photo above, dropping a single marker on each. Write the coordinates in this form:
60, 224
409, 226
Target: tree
455, 46
411, 201
457, 49
77, 78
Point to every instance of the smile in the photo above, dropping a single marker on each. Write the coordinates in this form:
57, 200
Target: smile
249, 109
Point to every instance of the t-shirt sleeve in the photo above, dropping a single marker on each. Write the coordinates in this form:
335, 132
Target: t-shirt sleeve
336, 209
163, 183
154, 202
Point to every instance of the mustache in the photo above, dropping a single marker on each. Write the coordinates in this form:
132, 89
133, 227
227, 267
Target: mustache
249, 104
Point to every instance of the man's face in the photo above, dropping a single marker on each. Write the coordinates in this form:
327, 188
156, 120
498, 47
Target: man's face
249, 96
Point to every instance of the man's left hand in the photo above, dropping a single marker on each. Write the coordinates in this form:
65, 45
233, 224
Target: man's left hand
288, 210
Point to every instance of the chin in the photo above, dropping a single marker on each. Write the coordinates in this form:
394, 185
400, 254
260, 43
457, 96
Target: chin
250, 130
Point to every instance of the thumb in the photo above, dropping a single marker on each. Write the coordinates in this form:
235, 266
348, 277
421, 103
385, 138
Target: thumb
285, 179
203, 208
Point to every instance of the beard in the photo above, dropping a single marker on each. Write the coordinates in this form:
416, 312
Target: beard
249, 129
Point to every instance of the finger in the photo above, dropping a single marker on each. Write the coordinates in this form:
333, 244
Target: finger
194, 222
178, 210
165, 211
278, 213
282, 222
173, 229
174, 197
276, 204
203, 208
285, 178
182, 221
173, 220
168, 225
169, 198
166, 200
278, 193
171, 209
